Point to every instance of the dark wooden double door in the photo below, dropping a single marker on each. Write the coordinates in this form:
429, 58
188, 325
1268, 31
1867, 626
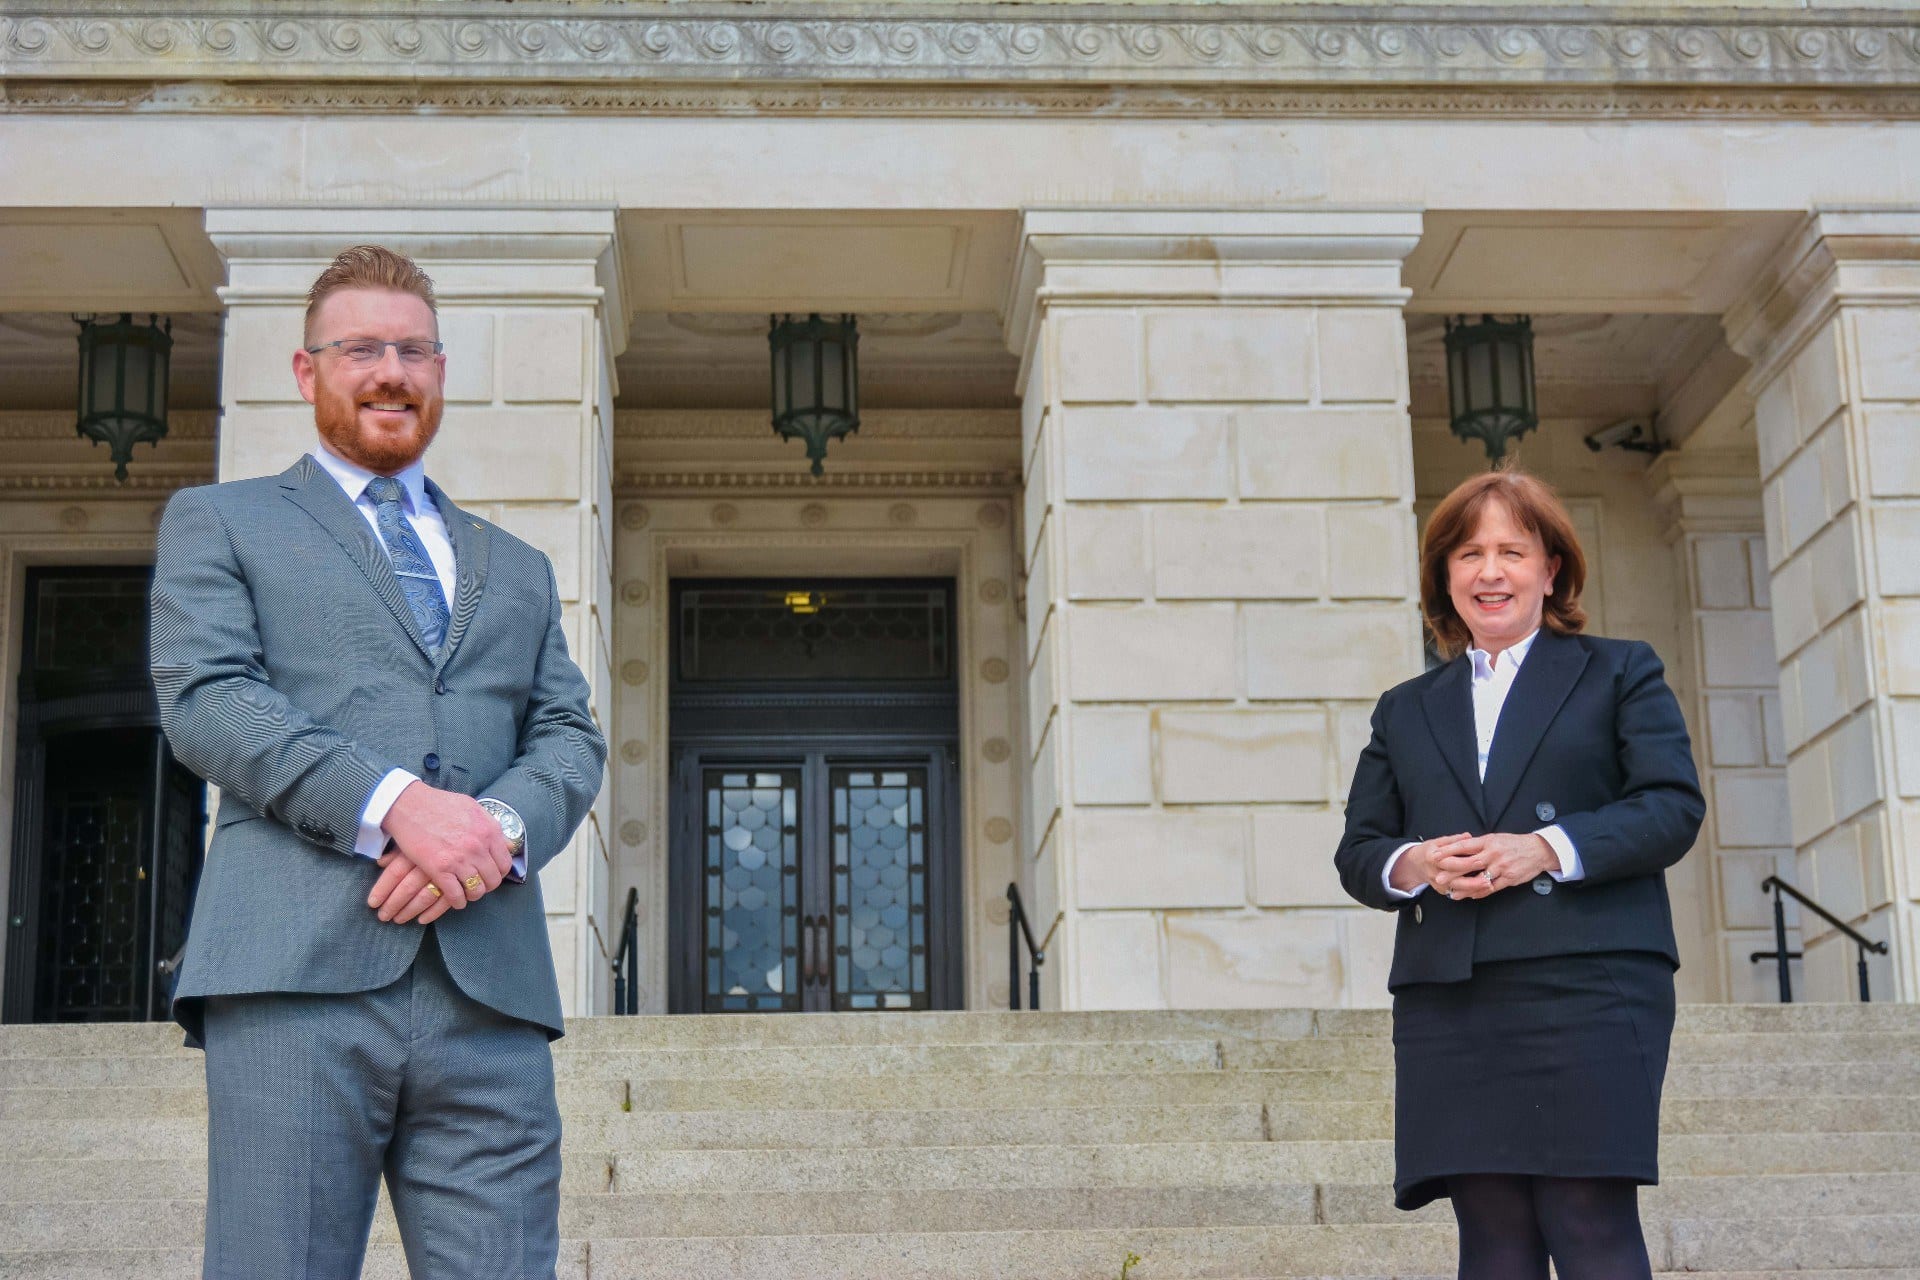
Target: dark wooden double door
108, 827
814, 798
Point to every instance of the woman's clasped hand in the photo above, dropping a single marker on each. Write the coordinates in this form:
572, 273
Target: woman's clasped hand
1470, 866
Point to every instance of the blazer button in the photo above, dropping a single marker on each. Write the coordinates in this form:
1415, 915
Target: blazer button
439, 686
1543, 884
431, 761
1543, 811
1418, 914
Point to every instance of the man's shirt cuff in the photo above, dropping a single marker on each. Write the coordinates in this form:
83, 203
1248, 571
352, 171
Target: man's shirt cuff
372, 841
1562, 845
1386, 876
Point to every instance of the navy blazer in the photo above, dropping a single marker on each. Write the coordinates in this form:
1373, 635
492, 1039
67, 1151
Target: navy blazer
1590, 737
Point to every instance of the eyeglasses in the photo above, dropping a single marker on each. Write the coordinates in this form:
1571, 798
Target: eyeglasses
366, 351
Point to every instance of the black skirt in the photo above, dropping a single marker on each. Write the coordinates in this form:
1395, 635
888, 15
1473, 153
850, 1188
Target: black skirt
1551, 1066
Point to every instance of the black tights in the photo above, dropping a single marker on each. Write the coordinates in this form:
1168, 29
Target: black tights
1510, 1224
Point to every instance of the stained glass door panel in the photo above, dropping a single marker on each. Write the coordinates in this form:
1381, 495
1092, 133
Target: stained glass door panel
879, 888
751, 890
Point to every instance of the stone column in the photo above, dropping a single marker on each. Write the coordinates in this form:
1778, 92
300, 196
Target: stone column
531, 315
1731, 691
1833, 330
1219, 543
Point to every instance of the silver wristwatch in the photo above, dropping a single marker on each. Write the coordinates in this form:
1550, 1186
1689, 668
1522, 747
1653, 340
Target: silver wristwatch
510, 824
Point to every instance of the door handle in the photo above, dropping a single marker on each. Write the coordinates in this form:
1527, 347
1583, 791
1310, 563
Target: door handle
806, 951
815, 966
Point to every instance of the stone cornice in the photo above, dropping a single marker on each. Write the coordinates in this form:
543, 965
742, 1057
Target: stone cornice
1120, 255
636, 481
1854, 256
1129, 101
605, 41
58, 424
753, 424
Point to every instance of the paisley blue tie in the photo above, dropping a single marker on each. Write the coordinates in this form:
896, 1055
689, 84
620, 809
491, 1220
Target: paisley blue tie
411, 563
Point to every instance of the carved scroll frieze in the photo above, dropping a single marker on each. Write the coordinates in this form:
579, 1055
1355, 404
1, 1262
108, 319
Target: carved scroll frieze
665, 42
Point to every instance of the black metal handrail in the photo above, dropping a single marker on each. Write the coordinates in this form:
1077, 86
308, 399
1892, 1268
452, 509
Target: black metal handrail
626, 959
1780, 954
1020, 929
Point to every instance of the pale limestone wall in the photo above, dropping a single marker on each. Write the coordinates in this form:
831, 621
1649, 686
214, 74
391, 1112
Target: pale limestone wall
1633, 592
1687, 165
1833, 329
1218, 547
530, 315
1712, 503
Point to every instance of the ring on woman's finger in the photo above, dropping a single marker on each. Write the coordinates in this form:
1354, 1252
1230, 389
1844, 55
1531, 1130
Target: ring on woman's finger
433, 889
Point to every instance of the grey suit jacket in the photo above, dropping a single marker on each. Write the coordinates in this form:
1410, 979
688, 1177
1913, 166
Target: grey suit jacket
291, 674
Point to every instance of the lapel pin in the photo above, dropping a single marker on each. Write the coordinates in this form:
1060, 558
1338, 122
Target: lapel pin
476, 524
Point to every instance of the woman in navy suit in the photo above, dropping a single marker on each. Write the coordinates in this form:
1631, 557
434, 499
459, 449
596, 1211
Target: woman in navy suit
1517, 807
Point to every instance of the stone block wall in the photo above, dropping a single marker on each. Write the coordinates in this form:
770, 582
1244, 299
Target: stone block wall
1833, 328
1218, 543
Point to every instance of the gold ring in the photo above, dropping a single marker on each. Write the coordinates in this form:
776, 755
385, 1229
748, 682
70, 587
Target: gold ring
473, 883
433, 889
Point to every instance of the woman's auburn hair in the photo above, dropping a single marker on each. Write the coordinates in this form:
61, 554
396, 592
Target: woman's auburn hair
1536, 508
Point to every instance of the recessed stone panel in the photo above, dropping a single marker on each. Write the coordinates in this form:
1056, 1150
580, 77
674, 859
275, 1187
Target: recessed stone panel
1106, 551
1270, 960
1097, 356
1112, 756
1147, 858
1750, 810
1228, 353
1363, 354
1257, 552
486, 455
543, 355
467, 333
1293, 858
1720, 570
1118, 955
1889, 351
1738, 649
1318, 651
1122, 454
1240, 757
1322, 454
1734, 736
1371, 552
1893, 452
1147, 653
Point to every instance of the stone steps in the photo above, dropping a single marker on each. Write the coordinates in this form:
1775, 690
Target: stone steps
1410, 1252
1686, 1083
133, 1221
66, 1136
740, 1030
1240, 1145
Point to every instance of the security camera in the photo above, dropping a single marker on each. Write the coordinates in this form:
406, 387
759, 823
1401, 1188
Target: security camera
1630, 434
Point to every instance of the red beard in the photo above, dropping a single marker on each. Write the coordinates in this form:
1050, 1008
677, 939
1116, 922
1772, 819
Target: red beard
383, 451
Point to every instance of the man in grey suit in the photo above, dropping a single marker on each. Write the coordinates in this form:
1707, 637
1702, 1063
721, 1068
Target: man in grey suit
378, 683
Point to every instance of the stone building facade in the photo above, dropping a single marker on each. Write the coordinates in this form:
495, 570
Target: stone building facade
1150, 298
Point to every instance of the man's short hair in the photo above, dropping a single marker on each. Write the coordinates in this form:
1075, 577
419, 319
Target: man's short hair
369, 266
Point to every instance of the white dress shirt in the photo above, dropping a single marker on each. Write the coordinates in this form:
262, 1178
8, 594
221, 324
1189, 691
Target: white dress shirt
1493, 677
424, 515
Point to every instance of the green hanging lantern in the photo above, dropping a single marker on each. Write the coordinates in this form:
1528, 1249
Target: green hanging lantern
816, 394
1490, 380
123, 384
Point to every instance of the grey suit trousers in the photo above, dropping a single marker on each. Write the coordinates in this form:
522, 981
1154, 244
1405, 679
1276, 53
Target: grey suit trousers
312, 1096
